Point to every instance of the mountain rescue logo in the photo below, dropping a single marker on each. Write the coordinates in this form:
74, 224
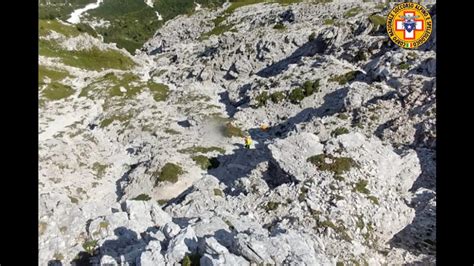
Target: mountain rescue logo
409, 25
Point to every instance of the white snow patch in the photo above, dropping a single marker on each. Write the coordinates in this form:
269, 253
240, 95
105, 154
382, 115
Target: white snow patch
149, 3
76, 15
158, 15
198, 7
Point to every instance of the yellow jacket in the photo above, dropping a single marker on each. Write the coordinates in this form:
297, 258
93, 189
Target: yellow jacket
248, 141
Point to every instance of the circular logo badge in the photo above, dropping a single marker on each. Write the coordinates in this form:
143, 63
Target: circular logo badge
409, 25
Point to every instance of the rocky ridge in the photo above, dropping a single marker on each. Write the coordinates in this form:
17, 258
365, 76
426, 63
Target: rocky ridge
344, 173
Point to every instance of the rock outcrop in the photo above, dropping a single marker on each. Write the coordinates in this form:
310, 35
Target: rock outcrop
145, 164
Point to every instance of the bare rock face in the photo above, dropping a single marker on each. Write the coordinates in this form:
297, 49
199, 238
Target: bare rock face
146, 164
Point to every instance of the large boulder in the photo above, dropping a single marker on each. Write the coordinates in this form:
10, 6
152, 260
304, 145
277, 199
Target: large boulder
152, 255
291, 153
217, 254
184, 243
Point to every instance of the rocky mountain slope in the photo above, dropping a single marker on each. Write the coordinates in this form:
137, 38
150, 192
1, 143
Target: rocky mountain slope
142, 159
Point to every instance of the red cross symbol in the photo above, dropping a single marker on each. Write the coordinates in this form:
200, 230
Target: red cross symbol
419, 26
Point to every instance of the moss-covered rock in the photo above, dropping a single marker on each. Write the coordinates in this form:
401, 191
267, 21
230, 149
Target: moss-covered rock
339, 131
296, 95
168, 173
142, 197
206, 163
344, 78
271, 206
262, 99
278, 96
337, 165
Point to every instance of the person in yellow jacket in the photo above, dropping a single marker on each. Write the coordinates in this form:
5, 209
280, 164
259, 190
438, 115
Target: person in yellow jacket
248, 141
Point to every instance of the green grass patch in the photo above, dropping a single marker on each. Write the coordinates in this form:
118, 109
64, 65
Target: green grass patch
73, 200
310, 87
125, 81
142, 197
339, 177
162, 202
339, 131
104, 81
168, 173
296, 95
191, 259
91, 59
219, 19
58, 256
303, 193
287, 2
360, 222
338, 165
132, 21
412, 55
52, 9
361, 187
321, 1
359, 125
57, 91
118, 117
278, 96
374, 199
404, 66
339, 229
104, 224
352, 12
271, 206
85, 28
230, 130
160, 91
50, 12
328, 21
374, 117
279, 26
52, 74
200, 149
206, 163
262, 99
342, 116
172, 131
377, 20
344, 78
360, 56
218, 192
369, 235
111, 88
48, 26
89, 246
